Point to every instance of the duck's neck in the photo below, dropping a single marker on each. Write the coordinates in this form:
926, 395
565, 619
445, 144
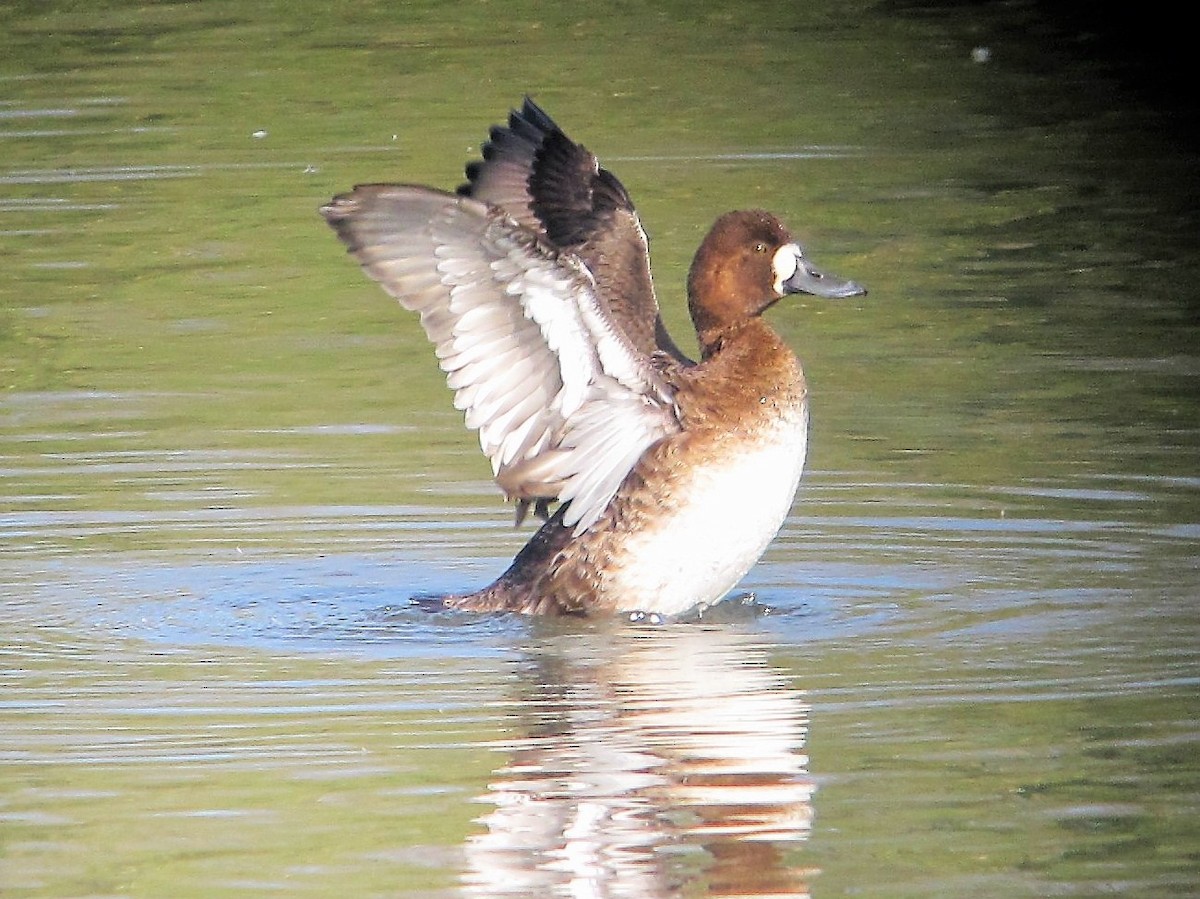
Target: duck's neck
724, 315
716, 336
746, 371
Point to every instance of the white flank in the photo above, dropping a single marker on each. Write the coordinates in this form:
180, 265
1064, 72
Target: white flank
721, 518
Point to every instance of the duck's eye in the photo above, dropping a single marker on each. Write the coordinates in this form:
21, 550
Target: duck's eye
760, 247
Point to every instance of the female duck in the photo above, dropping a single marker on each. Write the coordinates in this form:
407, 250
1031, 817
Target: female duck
533, 283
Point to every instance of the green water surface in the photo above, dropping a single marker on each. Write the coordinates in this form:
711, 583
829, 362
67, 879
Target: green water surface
229, 462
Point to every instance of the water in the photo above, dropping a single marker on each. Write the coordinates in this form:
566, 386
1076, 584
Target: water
229, 464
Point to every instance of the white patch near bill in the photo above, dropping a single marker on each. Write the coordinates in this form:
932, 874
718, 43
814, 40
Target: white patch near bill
784, 264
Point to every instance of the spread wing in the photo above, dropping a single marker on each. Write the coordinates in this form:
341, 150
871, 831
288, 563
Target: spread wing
563, 402
556, 188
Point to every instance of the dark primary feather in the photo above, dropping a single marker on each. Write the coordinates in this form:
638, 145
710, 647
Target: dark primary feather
556, 187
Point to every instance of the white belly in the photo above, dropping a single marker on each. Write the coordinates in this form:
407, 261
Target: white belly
717, 524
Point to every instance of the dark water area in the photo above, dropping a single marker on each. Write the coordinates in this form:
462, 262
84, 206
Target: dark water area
228, 465
1146, 52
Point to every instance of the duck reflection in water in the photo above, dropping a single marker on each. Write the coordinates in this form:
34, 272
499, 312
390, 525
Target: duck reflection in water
651, 761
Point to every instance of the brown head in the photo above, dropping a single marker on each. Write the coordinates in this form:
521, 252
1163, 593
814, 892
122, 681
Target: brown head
745, 265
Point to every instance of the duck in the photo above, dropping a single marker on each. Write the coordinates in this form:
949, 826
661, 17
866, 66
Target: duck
659, 479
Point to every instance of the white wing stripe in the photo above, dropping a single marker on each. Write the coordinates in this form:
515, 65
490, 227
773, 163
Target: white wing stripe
564, 405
